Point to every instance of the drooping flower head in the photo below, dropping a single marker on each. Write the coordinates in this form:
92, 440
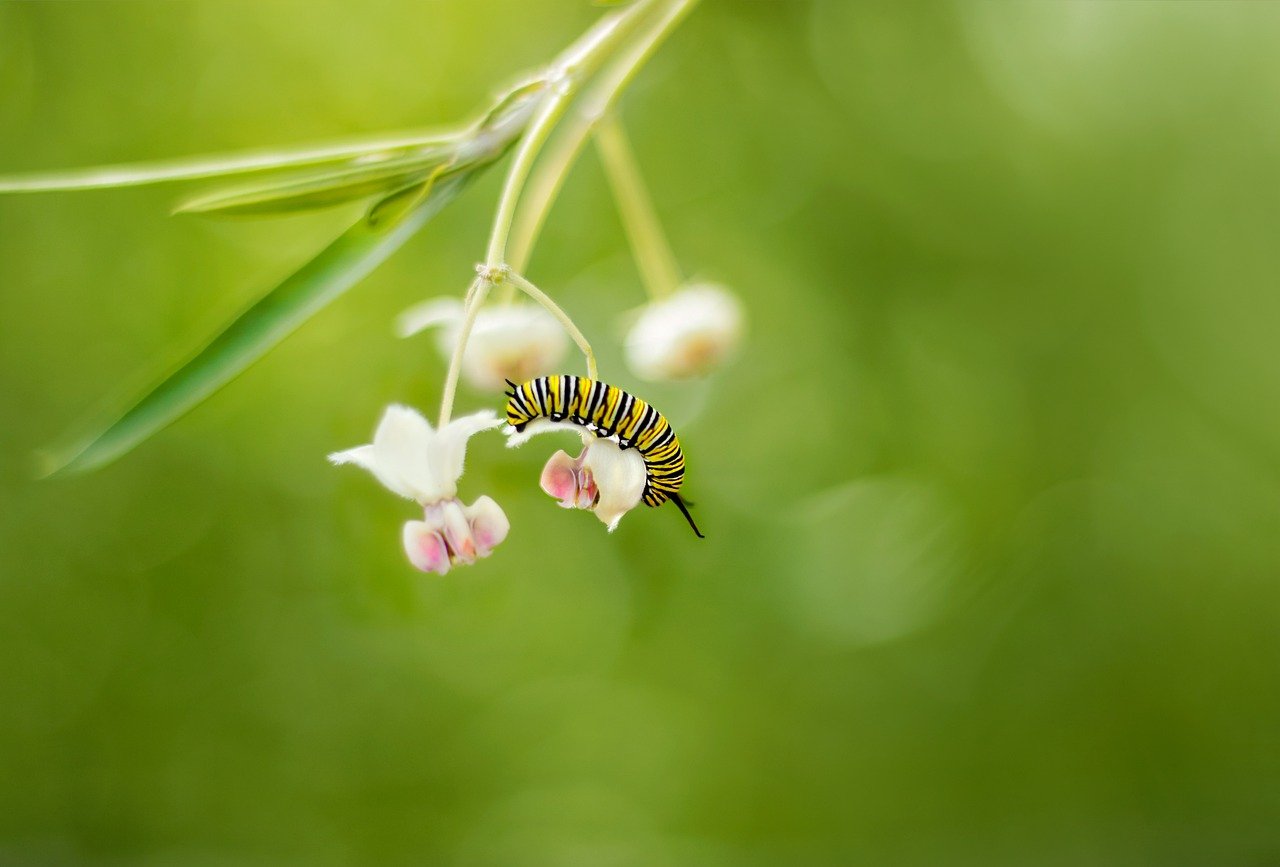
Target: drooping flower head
603, 478
630, 452
410, 458
686, 334
511, 341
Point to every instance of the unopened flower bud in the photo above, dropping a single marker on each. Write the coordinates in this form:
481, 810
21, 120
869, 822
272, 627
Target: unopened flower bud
686, 335
513, 341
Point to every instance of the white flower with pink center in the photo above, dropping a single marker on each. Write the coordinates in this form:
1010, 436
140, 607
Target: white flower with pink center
410, 458
604, 478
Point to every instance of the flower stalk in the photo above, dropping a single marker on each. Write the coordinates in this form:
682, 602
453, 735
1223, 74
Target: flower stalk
404, 181
549, 175
608, 478
659, 270
554, 309
475, 297
605, 478
563, 80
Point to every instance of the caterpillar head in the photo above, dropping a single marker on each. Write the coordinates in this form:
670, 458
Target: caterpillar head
514, 417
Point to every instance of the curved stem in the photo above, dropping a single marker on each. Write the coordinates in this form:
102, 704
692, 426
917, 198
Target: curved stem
552, 107
563, 80
550, 173
475, 297
649, 245
554, 309
567, 74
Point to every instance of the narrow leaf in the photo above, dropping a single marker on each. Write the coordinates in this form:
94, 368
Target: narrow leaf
399, 203
264, 324
515, 99
217, 165
322, 189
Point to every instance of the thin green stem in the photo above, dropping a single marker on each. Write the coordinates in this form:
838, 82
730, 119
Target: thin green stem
544, 299
567, 74
551, 171
475, 297
564, 79
552, 107
649, 245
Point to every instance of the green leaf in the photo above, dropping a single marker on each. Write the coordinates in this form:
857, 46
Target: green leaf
515, 99
219, 165
404, 200
264, 324
309, 190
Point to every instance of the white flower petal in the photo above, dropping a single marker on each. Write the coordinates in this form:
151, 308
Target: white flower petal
416, 461
436, 311
403, 446
509, 341
451, 447
400, 433
467, 426
361, 456
489, 524
516, 342
619, 476
412, 459
540, 426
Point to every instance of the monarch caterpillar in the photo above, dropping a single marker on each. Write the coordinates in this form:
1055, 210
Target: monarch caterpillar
607, 411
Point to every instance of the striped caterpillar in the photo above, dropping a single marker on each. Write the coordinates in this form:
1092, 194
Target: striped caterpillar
607, 411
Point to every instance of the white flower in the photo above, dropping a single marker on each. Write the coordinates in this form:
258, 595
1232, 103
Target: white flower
510, 341
416, 461
606, 479
685, 335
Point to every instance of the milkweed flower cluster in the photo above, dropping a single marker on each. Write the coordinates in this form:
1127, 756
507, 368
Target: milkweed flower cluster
630, 454
413, 459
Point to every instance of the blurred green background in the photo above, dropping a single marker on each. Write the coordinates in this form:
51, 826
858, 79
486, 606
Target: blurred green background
993, 492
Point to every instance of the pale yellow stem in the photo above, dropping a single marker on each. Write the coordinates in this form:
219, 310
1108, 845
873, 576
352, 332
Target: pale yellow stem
658, 267
471, 308
549, 112
564, 78
551, 171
